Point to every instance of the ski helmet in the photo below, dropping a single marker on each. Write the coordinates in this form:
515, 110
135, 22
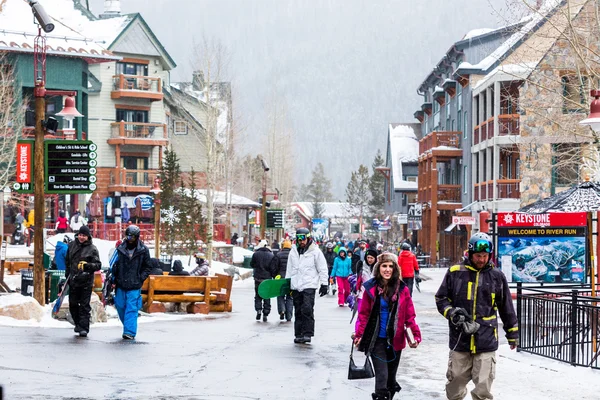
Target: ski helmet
480, 243
132, 231
302, 233
405, 246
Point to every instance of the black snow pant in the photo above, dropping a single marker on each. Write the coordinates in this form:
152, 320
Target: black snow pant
261, 305
304, 304
79, 305
385, 364
409, 282
285, 304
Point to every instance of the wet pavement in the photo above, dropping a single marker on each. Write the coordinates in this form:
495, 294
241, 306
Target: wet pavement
225, 356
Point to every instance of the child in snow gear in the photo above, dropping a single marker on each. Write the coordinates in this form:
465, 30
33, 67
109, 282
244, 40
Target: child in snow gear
130, 270
477, 286
307, 270
409, 265
341, 271
262, 268
386, 309
81, 261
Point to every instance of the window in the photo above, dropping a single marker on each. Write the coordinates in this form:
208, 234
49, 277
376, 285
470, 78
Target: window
436, 116
465, 130
459, 96
518, 169
465, 180
180, 128
132, 69
565, 163
131, 115
575, 93
458, 121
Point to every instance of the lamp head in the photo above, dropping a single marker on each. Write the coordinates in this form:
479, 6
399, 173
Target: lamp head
69, 112
593, 120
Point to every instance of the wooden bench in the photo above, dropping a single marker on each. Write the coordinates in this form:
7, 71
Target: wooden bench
222, 292
157, 290
16, 266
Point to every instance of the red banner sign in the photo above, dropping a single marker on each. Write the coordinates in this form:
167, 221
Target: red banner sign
24, 161
542, 220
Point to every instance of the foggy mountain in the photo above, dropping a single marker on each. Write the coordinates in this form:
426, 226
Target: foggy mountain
344, 68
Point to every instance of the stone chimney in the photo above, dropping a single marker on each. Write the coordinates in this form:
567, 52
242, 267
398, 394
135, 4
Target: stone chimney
198, 82
112, 8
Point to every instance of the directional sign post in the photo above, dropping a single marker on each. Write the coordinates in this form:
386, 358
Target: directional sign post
275, 219
70, 166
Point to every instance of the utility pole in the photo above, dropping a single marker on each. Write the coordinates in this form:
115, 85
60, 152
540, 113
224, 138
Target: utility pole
38, 193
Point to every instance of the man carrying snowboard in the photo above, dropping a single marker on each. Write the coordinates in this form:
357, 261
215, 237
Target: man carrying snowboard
307, 269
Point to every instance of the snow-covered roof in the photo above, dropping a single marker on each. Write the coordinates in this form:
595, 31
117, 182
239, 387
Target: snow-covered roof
107, 30
404, 147
513, 71
219, 199
17, 31
536, 18
336, 212
477, 32
215, 100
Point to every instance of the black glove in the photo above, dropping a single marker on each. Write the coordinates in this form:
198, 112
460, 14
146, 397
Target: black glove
455, 314
323, 290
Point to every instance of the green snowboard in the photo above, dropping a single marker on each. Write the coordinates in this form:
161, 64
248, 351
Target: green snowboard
273, 288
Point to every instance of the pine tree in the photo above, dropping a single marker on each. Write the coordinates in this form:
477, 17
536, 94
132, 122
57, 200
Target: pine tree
170, 199
196, 223
377, 188
319, 190
169, 176
358, 195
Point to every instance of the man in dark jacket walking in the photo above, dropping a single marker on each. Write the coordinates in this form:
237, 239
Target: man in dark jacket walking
261, 264
285, 304
82, 261
330, 256
470, 297
131, 269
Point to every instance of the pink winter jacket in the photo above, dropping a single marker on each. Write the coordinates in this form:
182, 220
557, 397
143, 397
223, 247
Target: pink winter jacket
405, 316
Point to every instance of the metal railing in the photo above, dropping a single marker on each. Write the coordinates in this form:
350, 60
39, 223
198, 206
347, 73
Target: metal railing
559, 322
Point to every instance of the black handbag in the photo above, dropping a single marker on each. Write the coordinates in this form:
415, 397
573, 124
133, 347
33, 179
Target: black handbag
364, 372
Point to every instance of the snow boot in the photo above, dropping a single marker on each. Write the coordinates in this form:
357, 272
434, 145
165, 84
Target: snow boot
258, 316
396, 389
281, 316
381, 395
83, 333
77, 329
127, 336
265, 317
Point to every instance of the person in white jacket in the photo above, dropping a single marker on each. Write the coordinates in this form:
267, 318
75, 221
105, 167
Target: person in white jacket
308, 272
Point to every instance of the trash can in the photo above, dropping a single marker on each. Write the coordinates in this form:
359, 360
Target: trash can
52, 279
247, 260
47, 261
27, 282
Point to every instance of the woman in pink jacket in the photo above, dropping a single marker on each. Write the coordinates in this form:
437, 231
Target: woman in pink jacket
385, 312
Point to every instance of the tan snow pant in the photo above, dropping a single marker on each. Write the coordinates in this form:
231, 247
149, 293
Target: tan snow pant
464, 367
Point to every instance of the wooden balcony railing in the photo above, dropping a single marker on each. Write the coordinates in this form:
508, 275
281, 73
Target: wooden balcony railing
440, 138
508, 124
449, 193
132, 177
138, 130
508, 188
476, 134
137, 86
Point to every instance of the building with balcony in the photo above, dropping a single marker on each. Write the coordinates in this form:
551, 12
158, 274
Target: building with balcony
69, 56
127, 118
445, 183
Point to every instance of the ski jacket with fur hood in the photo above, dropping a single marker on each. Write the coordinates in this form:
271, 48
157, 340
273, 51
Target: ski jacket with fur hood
307, 270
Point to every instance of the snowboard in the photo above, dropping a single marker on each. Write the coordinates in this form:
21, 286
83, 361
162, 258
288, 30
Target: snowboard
107, 287
60, 299
274, 288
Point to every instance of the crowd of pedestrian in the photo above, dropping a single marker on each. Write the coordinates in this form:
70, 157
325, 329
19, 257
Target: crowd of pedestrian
378, 285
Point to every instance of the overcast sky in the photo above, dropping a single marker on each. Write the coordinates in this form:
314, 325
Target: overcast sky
345, 68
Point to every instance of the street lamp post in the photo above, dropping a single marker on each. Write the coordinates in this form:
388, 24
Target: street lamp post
157, 191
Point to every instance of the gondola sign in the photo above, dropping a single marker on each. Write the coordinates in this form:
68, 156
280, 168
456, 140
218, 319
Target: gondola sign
70, 166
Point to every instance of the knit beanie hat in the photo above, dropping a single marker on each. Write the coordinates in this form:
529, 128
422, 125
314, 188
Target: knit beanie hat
287, 244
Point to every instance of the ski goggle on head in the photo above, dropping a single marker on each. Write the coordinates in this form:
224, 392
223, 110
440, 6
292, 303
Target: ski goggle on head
482, 246
301, 237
